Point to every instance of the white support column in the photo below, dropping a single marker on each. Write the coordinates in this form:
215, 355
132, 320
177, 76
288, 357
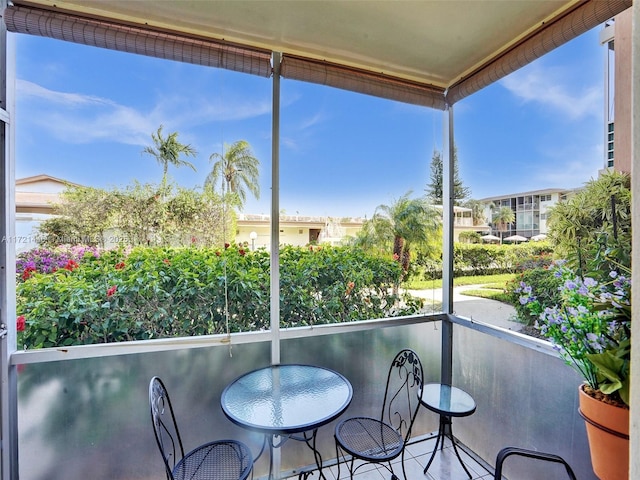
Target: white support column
447, 211
8, 388
634, 445
447, 245
276, 459
275, 212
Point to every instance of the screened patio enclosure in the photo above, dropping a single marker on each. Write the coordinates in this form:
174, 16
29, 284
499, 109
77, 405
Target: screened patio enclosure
431, 54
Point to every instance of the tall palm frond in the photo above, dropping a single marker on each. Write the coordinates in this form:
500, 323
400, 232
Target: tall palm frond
237, 169
168, 151
406, 222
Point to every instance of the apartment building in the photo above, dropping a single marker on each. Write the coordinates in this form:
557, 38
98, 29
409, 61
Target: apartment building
616, 37
530, 210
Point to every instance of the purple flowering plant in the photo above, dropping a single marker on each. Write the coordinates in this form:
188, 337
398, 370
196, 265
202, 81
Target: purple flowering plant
590, 327
44, 260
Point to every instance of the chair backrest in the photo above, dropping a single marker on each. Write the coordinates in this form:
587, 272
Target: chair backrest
524, 452
403, 392
165, 427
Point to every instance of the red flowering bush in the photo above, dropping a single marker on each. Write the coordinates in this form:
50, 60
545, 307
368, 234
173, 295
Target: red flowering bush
168, 292
28, 272
71, 265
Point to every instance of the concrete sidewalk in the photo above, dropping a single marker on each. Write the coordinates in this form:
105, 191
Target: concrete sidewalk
473, 308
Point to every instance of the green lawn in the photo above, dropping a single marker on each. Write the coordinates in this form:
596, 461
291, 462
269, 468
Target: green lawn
487, 281
489, 286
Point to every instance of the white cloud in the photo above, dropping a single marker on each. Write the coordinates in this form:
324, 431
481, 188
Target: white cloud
552, 88
79, 118
574, 173
33, 90
311, 121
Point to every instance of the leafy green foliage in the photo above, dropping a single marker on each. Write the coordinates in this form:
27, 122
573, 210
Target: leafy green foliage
434, 188
470, 237
503, 217
478, 259
398, 228
168, 150
83, 216
592, 229
544, 283
168, 292
590, 326
147, 215
238, 170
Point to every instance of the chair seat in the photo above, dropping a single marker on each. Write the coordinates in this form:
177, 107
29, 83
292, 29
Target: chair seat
369, 439
219, 460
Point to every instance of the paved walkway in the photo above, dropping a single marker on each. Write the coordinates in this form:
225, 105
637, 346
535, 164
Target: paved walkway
474, 308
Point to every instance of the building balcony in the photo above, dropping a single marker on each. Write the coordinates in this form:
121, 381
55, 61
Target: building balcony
83, 411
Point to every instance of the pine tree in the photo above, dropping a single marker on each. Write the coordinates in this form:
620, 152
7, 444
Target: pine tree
434, 188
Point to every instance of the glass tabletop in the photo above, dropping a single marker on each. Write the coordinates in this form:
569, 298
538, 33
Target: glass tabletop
448, 400
284, 399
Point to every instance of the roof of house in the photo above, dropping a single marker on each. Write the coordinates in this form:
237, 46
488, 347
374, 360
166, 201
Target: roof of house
544, 191
35, 179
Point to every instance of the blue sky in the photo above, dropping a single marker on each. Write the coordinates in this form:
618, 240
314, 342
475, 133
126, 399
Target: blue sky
85, 115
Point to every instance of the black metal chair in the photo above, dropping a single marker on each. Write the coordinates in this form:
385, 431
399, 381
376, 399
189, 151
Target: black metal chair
381, 440
218, 460
523, 452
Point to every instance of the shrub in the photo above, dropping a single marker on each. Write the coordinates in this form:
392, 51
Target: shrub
47, 261
539, 280
165, 292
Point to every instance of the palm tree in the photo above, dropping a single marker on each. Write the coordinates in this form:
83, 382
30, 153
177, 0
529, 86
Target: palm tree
238, 170
406, 222
502, 218
168, 150
477, 211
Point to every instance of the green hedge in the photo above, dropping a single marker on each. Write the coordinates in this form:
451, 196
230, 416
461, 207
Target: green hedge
477, 259
167, 292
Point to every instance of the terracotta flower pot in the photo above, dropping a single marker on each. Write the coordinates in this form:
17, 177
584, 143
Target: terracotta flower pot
608, 434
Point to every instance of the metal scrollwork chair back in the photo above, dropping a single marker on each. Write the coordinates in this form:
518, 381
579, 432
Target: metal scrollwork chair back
217, 460
381, 440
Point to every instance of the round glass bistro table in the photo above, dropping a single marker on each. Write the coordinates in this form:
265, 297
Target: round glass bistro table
283, 400
447, 401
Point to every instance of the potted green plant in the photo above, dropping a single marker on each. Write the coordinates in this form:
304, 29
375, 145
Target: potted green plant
591, 328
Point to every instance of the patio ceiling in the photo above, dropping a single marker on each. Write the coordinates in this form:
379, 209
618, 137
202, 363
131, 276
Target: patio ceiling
430, 46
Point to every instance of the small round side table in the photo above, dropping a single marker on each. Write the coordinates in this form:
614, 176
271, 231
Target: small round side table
448, 402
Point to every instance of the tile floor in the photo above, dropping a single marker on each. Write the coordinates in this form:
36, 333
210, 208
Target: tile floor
445, 466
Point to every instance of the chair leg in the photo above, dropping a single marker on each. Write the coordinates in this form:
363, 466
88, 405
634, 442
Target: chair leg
404, 471
338, 461
337, 458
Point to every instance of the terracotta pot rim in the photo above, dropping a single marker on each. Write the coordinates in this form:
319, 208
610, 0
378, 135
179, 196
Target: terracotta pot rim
582, 391
596, 412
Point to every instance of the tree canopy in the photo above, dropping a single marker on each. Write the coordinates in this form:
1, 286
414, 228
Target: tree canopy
238, 171
167, 150
435, 187
397, 227
146, 215
592, 228
503, 217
